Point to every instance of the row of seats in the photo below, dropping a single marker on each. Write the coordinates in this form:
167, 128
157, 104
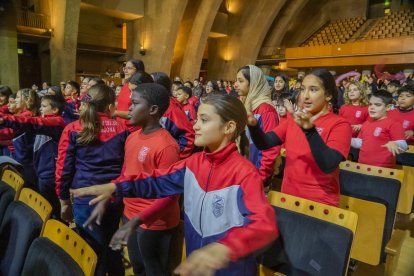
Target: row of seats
317, 239
338, 31
33, 244
395, 24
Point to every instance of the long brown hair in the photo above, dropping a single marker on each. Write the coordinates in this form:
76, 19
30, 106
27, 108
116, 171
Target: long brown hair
98, 99
363, 99
31, 99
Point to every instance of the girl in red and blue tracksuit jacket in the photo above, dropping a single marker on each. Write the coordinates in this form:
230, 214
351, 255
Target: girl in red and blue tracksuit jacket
47, 130
224, 200
91, 152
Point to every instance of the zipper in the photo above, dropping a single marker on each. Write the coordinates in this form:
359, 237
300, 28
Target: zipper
202, 203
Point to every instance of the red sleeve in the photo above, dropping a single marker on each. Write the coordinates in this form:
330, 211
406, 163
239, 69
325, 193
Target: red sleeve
396, 131
341, 111
165, 159
65, 164
193, 114
281, 129
269, 122
340, 137
262, 228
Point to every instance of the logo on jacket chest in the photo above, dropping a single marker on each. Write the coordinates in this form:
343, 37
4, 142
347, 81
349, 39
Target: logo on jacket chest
143, 154
319, 130
218, 205
377, 131
406, 124
358, 114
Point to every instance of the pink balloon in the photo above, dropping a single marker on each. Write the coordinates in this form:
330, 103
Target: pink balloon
347, 75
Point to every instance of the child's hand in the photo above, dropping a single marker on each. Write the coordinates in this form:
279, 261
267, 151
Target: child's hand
121, 236
251, 120
96, 215
102, 192
408, 134
66, 211
288, 105
305, 119
356, 128
205, 261
393, 148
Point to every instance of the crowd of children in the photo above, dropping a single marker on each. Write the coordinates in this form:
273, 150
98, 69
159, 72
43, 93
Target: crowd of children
153, 139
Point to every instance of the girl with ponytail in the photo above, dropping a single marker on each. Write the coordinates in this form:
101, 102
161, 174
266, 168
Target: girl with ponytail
91, 151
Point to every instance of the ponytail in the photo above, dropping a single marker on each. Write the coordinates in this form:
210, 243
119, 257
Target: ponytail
98, 99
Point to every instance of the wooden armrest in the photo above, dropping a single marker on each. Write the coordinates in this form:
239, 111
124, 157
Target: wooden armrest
394, 245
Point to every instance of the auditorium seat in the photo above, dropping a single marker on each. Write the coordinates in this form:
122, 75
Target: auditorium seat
22, 223
59, 251
315, 239
373, 193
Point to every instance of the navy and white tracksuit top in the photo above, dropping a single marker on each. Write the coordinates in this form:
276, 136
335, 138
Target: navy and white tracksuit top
223, 202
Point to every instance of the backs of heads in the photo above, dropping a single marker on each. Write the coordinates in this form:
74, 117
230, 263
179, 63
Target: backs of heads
56, 101
328, 83
138, 64
154, 94
163, 79
384, 95
140, 77
186, 90
229, 108
5, 91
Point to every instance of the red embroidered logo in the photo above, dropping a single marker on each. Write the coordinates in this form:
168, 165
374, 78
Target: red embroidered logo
358, 114
319, 130
406, 124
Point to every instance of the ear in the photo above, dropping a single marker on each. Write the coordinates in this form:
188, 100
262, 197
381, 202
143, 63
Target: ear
111, 108
230, 127
153, 110
328, 98
55, 111
388, 107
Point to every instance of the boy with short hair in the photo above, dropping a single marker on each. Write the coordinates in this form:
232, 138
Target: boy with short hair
381, 138
182, 95
404, 114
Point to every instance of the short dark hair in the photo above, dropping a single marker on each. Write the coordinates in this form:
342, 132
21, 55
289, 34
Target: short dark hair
56, 101
186, 90
394, 83
407, 89
154, 94
384, 95
140, 77
5, 91
163, 79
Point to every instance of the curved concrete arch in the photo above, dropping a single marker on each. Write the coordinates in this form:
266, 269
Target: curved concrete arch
281, 25
157, 31
246, 35
192, 38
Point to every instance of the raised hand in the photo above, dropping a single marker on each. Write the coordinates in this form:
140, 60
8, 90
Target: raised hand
120, 238
102, 192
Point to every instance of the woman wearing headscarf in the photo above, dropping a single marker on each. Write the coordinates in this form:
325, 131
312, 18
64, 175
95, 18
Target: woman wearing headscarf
255, 93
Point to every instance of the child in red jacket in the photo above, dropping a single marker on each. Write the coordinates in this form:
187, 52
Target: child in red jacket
404, 114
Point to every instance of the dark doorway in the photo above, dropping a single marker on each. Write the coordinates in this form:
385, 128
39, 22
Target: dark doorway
29, 65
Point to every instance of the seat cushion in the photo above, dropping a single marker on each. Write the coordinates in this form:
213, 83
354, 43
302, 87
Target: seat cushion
7, 194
